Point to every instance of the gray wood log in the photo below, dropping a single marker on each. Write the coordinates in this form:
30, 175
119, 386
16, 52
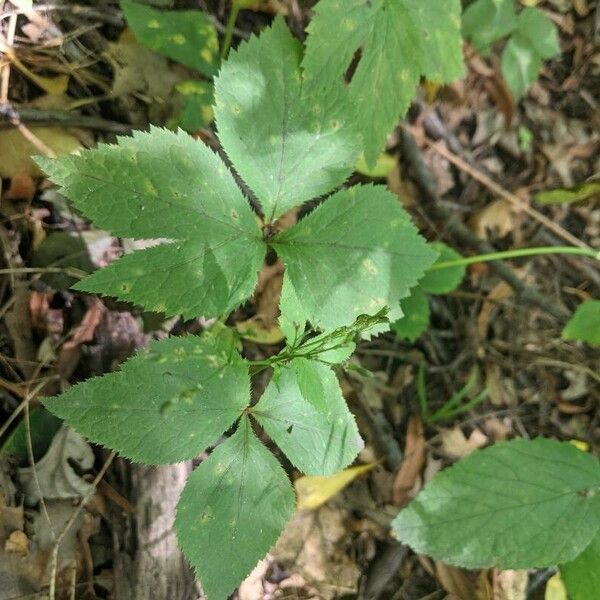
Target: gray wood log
148, 563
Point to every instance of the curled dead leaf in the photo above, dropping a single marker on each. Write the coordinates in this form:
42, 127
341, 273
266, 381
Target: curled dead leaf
415, 455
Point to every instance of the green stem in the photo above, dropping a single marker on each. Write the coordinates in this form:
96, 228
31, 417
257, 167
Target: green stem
233, 15
518, 253
71, 271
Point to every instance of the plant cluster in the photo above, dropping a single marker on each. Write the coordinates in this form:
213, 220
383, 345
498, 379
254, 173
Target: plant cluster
292, 123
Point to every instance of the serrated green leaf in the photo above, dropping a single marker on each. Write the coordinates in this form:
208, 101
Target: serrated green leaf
539, 31
584, 325
232, 510
533, 40
520, 66
517, 505
582, 575
186, 36
416, 316
443, 281
487, 21
305, 414
64, 251
401, 40
288, 146
292, 319
355, 254
167, 185
42, 427
166, 404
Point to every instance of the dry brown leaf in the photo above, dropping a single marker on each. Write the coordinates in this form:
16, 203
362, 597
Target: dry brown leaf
496, 429
17, 543
415, 455
314, 544
500, 390
501, 96
497, 217
11, 517
402, 187
86, 329
252, 587
459, 583
501, 291
581, 7
22, 187
510, 585
268, 292
456, 445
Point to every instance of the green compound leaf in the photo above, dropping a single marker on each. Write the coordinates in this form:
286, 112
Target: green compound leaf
186, 36
232, 510
416, 315
166, 185
287, 146
166, 404
305, 414
517, 505
582, 575
487, 21
584, 325
443, 281
533, 40
355, 254
401, 40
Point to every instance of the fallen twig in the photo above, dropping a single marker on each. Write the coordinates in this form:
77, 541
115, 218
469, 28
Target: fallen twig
464, 235
467, 166
9, 114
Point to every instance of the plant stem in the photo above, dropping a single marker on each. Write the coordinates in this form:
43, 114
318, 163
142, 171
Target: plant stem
235, 9
518, 253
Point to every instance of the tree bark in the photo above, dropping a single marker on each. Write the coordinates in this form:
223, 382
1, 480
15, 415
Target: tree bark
148, 563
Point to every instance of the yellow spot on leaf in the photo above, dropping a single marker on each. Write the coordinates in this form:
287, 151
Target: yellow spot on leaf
580, 445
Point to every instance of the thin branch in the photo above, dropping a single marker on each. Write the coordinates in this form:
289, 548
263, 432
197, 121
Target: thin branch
9, 114
497, 189
464, 235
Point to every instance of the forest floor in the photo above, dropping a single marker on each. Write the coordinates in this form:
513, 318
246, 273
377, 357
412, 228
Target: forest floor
467, 163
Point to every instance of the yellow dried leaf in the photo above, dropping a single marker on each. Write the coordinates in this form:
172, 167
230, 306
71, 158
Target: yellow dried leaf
555, 589
255, 331
16, 151
496, 217
431, 89
54, 86
314, 491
